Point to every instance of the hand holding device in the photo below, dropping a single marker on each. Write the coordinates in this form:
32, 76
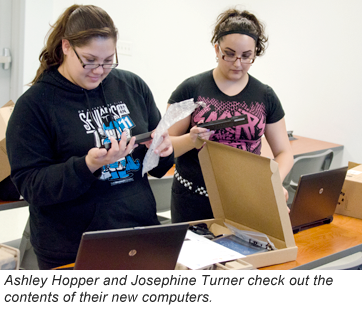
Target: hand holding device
141, 138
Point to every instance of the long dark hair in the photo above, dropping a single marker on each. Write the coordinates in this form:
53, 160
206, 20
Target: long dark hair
234, 19
78, 24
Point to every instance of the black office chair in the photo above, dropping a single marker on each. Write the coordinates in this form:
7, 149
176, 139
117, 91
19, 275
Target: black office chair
306, 165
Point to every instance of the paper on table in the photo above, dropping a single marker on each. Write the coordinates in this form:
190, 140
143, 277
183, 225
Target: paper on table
198, 252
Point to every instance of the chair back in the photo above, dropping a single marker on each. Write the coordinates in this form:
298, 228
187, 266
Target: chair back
308, 165
161, 188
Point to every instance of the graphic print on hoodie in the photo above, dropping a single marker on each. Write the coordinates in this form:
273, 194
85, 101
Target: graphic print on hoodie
104, 123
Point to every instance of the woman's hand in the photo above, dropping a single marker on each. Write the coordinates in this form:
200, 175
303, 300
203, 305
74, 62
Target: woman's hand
286, 195
199, 132
165, 148
98, 157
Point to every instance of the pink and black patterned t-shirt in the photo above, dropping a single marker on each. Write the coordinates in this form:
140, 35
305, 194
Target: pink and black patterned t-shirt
257, 101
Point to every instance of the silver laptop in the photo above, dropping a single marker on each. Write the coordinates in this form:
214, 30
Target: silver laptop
316, 198
143, 248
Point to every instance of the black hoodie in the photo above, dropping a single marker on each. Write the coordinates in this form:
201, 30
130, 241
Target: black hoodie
53, 126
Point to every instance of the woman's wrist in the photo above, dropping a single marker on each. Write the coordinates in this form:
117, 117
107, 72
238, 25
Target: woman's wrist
91, 167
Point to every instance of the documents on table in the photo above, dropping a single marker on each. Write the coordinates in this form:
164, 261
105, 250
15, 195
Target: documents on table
198, 252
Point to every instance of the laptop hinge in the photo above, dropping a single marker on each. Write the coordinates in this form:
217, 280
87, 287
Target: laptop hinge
313, 224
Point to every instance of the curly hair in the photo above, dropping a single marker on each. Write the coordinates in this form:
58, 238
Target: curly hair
236, 20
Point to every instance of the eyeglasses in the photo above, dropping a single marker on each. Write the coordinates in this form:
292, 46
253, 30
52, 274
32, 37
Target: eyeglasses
95, 66
233, 58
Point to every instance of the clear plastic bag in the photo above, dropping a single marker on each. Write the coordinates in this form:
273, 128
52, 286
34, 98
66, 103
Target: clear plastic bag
174, 113
254, 238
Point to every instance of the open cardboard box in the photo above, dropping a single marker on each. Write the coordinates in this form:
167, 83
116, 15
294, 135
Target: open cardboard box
349, 203
5, 113
245, 191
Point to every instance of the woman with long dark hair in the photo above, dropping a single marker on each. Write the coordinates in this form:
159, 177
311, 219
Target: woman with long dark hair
67, 139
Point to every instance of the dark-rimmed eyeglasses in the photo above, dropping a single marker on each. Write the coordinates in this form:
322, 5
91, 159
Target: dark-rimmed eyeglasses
233, 58
95, 66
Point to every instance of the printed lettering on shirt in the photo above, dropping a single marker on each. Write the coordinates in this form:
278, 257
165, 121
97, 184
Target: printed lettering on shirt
247, 136
104, 123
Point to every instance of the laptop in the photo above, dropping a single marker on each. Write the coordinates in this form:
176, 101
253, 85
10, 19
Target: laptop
141, 248
316, 198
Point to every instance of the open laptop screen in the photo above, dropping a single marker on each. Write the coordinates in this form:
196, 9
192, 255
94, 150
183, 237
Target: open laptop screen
143, 248
316, 198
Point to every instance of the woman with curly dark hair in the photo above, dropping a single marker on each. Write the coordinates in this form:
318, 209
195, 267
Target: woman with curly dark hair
227, 90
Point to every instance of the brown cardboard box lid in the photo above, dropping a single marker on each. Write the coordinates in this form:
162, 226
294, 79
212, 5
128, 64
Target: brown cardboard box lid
246, 189
352, 164
5, 112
